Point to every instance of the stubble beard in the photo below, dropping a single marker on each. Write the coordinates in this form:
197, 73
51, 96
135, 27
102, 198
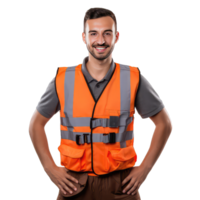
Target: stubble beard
102, 57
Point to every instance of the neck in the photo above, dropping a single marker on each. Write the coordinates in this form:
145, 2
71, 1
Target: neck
98, 68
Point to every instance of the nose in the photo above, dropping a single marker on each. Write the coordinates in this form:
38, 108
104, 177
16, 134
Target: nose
100, 40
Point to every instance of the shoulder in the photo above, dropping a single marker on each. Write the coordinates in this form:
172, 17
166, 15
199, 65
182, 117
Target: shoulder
148, 101
134, 69
60, 70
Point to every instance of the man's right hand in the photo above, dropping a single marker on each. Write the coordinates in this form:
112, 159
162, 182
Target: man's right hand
57, 174
60, 177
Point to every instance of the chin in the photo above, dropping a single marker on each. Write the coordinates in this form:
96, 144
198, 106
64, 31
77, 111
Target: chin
98, 56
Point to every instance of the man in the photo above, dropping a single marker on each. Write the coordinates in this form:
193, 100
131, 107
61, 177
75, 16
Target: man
98, 69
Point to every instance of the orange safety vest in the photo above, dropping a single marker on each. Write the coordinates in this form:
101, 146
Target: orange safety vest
97, 136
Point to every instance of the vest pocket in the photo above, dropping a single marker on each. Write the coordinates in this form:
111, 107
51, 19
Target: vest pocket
122, 158
71, 157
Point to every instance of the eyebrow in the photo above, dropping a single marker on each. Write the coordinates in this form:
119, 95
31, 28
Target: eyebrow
104, 31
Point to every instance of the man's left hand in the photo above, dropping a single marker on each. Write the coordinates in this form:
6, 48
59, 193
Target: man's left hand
137, 175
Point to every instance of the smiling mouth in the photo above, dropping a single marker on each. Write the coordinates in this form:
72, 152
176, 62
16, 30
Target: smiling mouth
101, 49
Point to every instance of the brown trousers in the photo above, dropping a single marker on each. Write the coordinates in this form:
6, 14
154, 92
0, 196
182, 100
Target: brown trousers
105, 187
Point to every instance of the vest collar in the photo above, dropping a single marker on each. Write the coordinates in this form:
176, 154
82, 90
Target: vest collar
89, 77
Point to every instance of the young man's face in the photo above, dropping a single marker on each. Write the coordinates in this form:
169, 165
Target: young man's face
100, 33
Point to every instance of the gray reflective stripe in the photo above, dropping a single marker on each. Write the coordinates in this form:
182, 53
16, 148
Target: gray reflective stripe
124, 119
96, 137
78, 121
85, 121
125, 94
125, 91
69, 93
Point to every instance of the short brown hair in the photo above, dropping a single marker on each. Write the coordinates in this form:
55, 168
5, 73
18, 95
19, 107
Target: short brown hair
94, 13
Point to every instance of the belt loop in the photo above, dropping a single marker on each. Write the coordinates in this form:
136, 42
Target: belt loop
109, 138
77, 139
85, 138
80, 139
112, 137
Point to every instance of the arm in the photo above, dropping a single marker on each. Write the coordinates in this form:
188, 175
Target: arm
56, 174
159, 139
39, 140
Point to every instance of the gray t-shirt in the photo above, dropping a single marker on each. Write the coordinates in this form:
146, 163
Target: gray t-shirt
147, 102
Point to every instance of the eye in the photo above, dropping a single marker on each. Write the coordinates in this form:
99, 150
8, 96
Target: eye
93, 33
107, 33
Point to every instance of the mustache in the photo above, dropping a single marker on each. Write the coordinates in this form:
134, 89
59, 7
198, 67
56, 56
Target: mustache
100, 46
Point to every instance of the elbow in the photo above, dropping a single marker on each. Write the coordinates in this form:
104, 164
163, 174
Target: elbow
168, 123
168, 126
32, 127
172, 127
31, 130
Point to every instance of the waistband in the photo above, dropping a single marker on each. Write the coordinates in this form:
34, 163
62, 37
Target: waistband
92, 174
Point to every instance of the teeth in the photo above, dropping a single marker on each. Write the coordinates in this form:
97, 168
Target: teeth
100, 48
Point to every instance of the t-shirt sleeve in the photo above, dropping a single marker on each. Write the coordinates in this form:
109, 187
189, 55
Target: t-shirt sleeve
148, 102
49, 103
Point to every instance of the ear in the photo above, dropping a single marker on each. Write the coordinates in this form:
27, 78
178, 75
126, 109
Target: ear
83, 36
117, 37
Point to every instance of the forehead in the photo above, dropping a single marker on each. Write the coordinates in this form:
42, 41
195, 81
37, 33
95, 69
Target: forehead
100, 23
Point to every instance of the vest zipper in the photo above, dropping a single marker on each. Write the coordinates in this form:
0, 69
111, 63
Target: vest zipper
93, 118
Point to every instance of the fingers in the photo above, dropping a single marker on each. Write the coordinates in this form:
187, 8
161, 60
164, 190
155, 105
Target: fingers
71, 178
66, 186
69, 183
63, 189
134, 189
